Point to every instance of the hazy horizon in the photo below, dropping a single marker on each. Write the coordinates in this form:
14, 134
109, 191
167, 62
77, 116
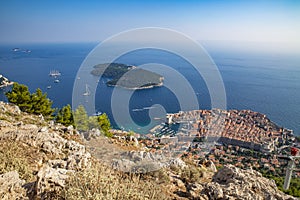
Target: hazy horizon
273, 22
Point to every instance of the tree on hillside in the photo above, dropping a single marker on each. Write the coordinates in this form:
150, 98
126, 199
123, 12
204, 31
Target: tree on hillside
65, 116
81, 119
104, 124
36, 103
93, 122
40, 104
20, 96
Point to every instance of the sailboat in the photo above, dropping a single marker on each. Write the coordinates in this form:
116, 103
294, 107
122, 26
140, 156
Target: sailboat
87, 91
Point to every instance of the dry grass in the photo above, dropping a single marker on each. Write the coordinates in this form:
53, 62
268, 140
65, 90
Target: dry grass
12, 158
101, 182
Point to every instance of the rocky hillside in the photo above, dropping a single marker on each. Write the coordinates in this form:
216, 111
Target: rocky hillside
44, 160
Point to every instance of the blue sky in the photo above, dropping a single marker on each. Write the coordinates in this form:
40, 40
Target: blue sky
76, 21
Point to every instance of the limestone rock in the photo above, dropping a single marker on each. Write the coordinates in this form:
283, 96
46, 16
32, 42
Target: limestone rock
11, 186
44, 129
211, 166
231, 182
142, 161
51, 143
94, 133
50, 180
179, 183
194, 189
11, 108
136, 142
79, 160
67, 155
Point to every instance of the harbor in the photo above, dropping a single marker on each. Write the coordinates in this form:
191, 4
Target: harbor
244, 128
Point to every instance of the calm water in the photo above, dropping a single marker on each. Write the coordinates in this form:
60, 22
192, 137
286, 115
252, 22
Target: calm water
267, 83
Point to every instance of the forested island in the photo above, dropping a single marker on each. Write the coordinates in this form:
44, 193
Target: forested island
128, 76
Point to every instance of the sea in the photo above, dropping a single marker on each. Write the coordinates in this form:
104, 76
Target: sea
265, 82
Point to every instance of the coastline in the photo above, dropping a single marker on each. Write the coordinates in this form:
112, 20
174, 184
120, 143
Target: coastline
136, 88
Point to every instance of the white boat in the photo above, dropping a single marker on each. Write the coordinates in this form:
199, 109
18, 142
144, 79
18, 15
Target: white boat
97, 113
87, 91
49, 87
56, 81
54, 73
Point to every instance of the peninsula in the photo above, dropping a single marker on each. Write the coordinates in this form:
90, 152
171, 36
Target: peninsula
127, 76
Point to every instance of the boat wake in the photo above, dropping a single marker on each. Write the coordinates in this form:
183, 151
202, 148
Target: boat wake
142, 109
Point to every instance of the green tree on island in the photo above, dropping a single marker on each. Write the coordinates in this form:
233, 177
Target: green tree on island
65, 116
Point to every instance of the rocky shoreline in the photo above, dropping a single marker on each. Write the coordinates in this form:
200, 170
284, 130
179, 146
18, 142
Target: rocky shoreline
4, 82
137, 88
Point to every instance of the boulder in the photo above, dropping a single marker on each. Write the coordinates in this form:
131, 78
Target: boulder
11, 186
231, 182
142, 161
50, 180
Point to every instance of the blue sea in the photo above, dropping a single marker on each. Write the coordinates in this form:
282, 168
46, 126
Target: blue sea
265, 82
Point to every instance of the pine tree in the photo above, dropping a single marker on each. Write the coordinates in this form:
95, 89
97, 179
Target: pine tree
81, 119
104, 124
65, 116
41, 104
20, 96
36, 103
93, 122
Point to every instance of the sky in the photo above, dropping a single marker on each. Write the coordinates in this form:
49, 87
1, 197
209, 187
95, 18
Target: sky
25, 21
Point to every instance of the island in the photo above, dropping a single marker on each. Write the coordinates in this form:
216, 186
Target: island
127, 76
4, 82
